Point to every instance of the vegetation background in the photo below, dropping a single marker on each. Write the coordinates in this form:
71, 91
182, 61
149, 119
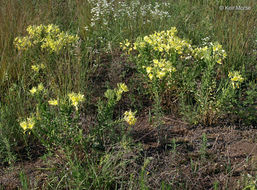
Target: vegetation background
183, 135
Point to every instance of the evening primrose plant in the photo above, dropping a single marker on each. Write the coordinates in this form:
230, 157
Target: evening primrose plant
184, 71
57, 121
50, 52
156, 57
107, 124
106, 108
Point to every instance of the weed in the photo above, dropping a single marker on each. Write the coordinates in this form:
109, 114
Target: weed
203, 147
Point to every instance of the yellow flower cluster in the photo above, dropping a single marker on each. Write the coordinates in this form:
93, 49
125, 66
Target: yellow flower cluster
75, 99
129, 117
48, 37
58, 42
36, 33
159, 69
36, 68
235, 78
165, 42
28, 124
214, 52
53, 102
23, 43
121, 88
126, 45
37, 89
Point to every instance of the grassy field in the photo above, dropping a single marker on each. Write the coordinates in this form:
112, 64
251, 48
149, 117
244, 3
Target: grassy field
110, 94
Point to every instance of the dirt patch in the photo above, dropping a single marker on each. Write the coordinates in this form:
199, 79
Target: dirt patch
242, 148
34, 172
184, 161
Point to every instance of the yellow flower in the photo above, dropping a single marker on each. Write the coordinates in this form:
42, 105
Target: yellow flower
148, 69
160, 74
33, 90
219, 61
127, 43
35, 68
22, 43
23, 125
53, 102
123, 87
155, 61
217, 47
48, 37
28, 124
235, 78
159, 68
76, 99
150, 76
129, 117
40, 87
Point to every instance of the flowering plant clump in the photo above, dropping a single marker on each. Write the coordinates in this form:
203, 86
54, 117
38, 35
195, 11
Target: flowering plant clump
75, 99
48, 37
167, 45
175, 69
158, 53
52, 51
27, 124
106, 108
157, 56
235, 78
129, 117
